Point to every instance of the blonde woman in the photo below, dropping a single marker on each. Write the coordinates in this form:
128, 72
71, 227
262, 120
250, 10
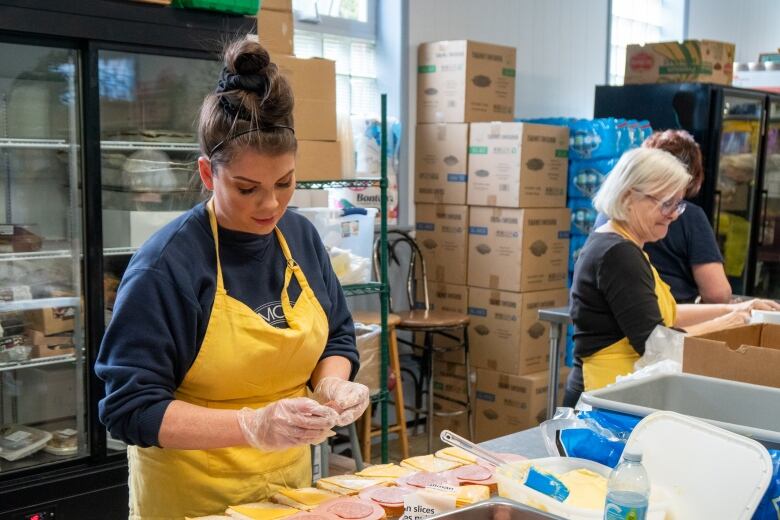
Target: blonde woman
617, 296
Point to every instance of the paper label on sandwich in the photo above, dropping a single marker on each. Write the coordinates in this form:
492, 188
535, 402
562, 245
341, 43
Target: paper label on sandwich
427, 503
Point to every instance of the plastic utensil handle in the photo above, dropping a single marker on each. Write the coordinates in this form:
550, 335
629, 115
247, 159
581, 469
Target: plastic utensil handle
453, 439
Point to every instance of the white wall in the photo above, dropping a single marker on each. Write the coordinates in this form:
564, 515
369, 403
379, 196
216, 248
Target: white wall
561, 50
753, 25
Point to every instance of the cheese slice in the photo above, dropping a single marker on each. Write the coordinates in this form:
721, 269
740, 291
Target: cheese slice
304, 498
430, 463
385, 470
208, 517
350, 484
260, 511
456, 454
467, 495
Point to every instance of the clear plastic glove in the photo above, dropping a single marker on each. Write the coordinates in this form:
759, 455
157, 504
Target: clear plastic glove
349, 399
287, 423
756, 304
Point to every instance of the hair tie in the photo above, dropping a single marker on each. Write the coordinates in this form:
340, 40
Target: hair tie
257, 83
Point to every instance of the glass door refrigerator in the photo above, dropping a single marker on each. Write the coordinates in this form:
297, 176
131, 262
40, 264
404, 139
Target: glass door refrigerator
767, 281
729, 125
43, 416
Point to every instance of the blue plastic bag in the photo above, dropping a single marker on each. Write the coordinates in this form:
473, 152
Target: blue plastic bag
769, 507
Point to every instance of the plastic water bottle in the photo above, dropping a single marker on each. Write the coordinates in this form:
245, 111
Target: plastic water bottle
628, 489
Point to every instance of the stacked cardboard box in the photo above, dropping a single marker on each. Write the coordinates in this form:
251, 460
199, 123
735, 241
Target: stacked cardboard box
491, 220
313, 82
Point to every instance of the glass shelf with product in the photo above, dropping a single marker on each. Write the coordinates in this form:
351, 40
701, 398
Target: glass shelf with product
149, 149
43, 419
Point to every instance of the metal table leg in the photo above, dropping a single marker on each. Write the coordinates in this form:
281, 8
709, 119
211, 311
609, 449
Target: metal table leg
552, 383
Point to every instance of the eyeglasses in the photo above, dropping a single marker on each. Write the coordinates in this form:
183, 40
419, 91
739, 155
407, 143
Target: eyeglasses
668, 207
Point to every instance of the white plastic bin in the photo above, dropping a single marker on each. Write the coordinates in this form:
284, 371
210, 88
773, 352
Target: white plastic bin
369, 348
510, 487
352, 233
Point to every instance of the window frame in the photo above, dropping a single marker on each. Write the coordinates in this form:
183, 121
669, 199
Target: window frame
674, 26
341, 26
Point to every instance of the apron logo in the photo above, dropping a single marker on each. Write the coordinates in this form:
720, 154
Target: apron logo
273, 313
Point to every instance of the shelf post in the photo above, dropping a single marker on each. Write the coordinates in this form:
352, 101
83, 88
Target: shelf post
385, 295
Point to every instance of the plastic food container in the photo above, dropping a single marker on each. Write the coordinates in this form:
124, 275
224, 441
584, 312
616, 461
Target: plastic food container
714, 473
510, 487
352, 232
17, 441
750, 410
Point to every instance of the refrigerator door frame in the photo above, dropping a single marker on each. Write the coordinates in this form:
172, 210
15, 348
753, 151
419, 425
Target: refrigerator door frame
718, 99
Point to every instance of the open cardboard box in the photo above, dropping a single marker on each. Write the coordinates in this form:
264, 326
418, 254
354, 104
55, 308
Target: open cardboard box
750, 354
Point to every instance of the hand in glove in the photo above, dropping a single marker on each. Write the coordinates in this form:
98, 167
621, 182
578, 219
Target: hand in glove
349, 399
287, 423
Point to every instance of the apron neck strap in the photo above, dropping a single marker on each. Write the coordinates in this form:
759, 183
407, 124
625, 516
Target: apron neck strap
625, 233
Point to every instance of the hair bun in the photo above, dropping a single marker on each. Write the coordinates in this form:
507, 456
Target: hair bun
247, 57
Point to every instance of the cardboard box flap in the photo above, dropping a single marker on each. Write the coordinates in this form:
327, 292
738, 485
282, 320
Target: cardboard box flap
734, 338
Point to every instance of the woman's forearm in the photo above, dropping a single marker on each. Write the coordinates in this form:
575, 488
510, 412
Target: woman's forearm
333, 366
689, 314
186, 426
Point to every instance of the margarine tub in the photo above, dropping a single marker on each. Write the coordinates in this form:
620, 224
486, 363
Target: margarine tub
586, 482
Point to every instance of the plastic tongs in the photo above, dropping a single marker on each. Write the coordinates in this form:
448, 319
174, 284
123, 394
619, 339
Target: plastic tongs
453, 439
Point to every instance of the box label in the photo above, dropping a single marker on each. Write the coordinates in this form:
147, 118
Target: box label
509, 73
562, 153
456, 177
425, 226
426, 69
478, 230
476, 311
478, 150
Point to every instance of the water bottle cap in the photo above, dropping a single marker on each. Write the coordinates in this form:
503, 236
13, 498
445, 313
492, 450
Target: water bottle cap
633, 454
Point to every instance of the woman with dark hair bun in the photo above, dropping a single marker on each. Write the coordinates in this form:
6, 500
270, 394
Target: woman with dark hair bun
231, 347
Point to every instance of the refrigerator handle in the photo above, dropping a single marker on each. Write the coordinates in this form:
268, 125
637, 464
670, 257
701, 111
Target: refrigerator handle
762, 228
717, 212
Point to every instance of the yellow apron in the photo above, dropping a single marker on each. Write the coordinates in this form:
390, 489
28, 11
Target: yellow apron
243, 361
603, 367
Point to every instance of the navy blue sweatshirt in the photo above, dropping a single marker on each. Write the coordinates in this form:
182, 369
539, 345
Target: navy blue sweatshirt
164, 301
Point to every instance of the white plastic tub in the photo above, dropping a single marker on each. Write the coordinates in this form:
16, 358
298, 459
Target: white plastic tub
510, 487
352, 233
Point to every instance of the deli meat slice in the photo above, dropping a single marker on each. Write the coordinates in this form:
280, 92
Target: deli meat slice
386, 496
352, 509
472, 473
424, 479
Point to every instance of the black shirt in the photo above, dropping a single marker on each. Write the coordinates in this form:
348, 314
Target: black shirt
612, 297
690, 241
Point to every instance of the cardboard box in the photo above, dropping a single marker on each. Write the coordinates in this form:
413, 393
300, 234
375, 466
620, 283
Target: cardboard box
276, 5
441, 163
314, 84
506, 334
275, 30
703, 61
442, 233
518, 250
45, 346
318, 160
461, 81
518, 165
509, 404
449, 380
50, 321
750, 354
458, 424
